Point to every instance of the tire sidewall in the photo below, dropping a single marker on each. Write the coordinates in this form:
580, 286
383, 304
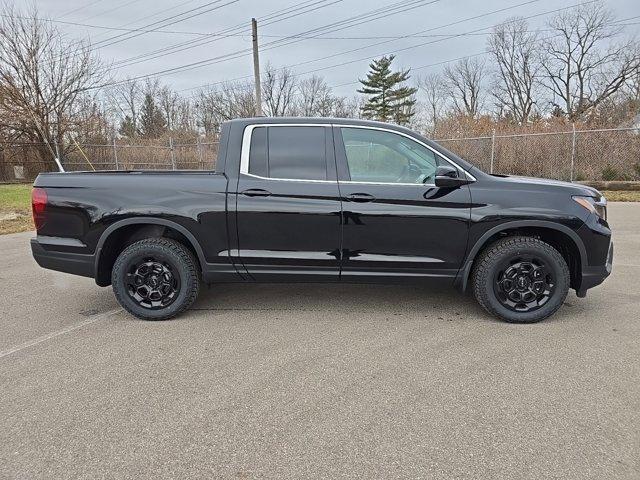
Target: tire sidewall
135, 253
560, 275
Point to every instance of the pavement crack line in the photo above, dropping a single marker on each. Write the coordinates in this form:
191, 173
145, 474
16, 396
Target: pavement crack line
57, 333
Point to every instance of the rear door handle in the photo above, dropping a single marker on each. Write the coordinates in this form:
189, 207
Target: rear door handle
256, 192
361, 197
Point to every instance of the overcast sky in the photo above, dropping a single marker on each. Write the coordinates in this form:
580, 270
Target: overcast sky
426, 18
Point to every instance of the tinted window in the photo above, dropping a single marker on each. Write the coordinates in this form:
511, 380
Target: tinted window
258, 152
379, 156
297, 152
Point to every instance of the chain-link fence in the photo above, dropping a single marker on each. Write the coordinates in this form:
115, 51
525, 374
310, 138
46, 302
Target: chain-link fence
23, 161
576, 155
604, 154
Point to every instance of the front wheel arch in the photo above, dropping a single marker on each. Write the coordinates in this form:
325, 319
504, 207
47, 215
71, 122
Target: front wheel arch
559, 236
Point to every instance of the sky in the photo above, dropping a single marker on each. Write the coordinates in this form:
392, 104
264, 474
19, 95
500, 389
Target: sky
360, 32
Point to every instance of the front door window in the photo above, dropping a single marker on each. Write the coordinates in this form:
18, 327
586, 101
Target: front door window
376, 156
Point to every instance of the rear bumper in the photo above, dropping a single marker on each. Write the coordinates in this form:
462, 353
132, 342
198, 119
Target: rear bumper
63, 261
595, 275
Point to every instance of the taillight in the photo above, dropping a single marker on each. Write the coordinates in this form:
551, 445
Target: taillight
38, 205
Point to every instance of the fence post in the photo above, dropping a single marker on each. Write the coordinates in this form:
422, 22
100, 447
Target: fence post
493, 149
173, 157
115, 154
573, 153
58, 159
200, 153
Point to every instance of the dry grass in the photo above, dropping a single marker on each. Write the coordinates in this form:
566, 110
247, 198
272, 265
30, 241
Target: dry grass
15, 209
621, 195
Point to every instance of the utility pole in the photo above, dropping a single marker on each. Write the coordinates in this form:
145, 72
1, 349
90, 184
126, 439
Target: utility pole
256, 66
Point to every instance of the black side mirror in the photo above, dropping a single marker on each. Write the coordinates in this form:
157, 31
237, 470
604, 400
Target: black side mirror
447, 176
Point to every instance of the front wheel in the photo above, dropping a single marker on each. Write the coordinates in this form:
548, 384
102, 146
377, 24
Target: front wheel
155, 278
521, 279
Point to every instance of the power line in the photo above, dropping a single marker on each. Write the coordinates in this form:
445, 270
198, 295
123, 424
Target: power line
619, 22
118, 7
351, 21
475, 17
395, 8
139, 31
103, 27
435, 41
283, 13
274, 17
156, 13
410, 47
79, 8
173, 19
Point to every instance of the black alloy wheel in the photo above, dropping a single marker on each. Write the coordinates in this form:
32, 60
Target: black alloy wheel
152, 283
520, 279
156, 278
524, 284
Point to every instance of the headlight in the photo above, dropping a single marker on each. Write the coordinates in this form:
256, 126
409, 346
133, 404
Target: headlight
595, 205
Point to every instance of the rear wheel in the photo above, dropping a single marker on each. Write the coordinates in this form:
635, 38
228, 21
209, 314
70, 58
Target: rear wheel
155, 279
521, 279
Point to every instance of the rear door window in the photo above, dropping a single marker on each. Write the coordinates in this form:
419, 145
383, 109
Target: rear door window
289, 152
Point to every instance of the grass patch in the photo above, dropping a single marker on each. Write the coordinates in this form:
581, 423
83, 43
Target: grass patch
621, 195
15, 197
15, 209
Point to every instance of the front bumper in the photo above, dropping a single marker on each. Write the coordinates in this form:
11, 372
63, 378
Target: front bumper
48, 254
594, 276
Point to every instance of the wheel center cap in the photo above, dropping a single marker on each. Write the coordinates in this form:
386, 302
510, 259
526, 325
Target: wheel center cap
522, 282
153, 281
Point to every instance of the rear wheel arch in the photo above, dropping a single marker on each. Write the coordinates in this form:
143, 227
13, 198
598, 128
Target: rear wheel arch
559, 236
125, 232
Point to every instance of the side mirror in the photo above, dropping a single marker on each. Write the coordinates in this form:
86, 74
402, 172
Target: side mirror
447, 176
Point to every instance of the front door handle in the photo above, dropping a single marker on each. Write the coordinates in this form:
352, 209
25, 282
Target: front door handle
361, 197
256, 192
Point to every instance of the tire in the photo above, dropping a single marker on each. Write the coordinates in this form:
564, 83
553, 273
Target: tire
155, 279
508, 274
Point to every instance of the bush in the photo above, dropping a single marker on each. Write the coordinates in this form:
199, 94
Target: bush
611, 173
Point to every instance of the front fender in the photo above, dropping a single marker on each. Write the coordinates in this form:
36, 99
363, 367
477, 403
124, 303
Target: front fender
465, 271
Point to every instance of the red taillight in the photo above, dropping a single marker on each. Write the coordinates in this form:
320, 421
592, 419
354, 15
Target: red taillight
38, 205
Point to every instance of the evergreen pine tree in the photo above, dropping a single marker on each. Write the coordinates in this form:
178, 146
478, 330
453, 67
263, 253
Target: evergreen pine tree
127, 127
388, 98
152, 122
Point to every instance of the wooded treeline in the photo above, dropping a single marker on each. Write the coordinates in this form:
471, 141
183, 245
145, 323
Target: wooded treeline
580, 68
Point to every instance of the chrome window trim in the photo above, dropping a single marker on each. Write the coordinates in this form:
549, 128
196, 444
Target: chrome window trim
246, 145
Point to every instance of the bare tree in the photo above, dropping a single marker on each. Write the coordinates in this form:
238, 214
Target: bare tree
42, 77
518, 66
126, 98
94, 123
278, 91
347, 107
314, 97
464, 85
169, 103
584, 65
433, 88
225, 102
185, 116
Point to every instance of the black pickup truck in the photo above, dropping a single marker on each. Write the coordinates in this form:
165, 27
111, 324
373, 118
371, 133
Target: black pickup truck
324, 200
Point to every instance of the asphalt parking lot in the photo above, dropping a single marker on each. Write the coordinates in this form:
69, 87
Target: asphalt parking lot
293, 381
